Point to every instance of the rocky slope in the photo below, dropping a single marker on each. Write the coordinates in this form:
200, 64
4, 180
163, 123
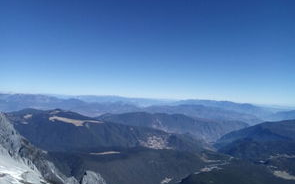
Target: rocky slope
21, 162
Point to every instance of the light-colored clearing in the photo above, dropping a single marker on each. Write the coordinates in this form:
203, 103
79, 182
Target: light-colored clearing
27, 116
284, 175
75, 122
55, 112
105, 153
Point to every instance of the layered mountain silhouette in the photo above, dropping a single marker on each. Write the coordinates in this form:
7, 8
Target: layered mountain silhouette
283, 115
95, 106
208, 130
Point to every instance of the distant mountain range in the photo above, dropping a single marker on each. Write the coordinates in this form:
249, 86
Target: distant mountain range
17, 102
206, 112
98, 105
283, 115
205, 129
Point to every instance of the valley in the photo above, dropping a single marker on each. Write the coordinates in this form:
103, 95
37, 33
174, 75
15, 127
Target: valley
151, 145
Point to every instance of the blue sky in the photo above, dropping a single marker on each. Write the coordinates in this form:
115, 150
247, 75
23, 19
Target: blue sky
226, 50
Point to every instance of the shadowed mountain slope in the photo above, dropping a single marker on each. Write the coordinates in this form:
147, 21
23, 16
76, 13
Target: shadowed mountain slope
260, 141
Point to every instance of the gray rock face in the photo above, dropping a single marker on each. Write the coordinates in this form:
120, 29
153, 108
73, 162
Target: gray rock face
20, 162
13, 168
71, 180
8, 136
92, 178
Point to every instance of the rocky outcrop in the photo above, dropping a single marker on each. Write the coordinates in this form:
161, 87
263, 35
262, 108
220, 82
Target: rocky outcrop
13, 167
91, 177
21, 162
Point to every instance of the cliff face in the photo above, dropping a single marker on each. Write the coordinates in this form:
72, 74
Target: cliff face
92, 177
13, 167
20, 162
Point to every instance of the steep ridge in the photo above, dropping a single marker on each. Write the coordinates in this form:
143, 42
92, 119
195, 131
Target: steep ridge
20, 161
205, 129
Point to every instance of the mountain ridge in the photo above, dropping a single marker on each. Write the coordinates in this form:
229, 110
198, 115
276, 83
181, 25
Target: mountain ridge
205, 129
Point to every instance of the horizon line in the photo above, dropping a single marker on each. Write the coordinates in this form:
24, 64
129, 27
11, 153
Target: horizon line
58, 95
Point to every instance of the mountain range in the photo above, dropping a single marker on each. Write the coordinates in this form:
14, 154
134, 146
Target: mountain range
117, 140
208, 130
97, 105
58, 130
77, 145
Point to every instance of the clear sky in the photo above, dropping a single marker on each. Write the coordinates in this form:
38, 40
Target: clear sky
240, 50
